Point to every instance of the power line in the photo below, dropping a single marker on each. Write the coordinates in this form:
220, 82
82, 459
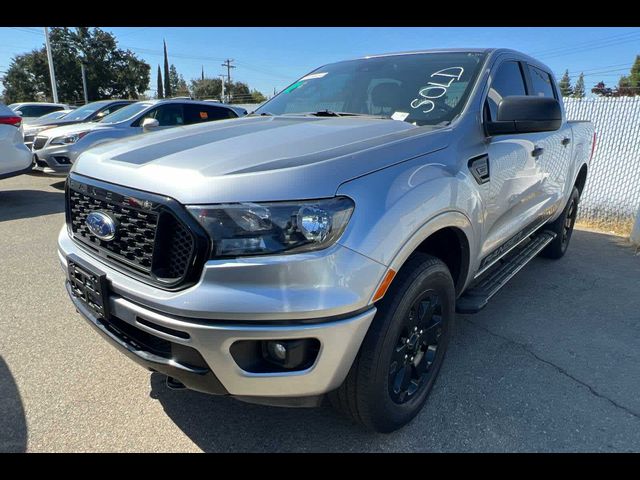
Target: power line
592, 47
588, 42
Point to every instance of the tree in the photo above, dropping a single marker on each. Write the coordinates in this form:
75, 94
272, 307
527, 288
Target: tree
167, 84
159, 92
565, 85
634, 76
111, 72
258, 97
602, 90
206, 88
179, 87
629, 85
578, 91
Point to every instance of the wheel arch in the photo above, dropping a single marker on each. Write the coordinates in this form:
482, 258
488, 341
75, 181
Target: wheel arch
449, 237
581, 178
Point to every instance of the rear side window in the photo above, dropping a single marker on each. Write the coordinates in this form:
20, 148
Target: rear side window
206, 113
541, 83
508, 81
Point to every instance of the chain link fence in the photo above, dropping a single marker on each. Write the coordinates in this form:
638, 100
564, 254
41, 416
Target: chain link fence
611, 198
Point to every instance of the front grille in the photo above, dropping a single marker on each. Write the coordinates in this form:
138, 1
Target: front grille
150, 241
28, 140
39, 142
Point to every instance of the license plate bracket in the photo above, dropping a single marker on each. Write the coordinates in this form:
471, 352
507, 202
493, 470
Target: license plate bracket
89, 285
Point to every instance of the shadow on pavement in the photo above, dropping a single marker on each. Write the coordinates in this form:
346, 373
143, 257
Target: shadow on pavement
223, 424
18, 204
59, 185
13, 424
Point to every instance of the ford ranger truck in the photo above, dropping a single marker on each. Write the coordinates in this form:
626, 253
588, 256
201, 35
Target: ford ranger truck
320, 246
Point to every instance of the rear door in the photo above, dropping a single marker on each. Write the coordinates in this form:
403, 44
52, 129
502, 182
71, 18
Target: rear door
511, 185
554, 147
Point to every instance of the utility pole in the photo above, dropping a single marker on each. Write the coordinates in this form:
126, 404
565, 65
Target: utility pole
227, 64
52, 73
222, 76
84, 79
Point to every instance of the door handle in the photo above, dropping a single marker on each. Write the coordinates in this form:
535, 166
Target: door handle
565, 141
536, 152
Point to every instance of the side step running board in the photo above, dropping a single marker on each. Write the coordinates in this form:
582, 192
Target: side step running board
476, 297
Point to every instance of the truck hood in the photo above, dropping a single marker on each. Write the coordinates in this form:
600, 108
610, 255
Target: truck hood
258, 158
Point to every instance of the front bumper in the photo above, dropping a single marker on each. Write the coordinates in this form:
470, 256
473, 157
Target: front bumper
233, 302
56, 159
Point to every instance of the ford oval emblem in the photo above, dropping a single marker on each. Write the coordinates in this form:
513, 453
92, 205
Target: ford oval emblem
101, 225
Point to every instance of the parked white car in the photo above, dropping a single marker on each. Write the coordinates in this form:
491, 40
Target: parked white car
31, 110
15, 157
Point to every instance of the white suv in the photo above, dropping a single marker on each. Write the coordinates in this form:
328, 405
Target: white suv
15, 157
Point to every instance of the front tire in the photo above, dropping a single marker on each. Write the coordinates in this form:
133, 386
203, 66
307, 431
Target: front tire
403, 350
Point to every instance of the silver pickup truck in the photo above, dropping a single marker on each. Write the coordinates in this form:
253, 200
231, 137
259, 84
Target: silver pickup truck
320, 247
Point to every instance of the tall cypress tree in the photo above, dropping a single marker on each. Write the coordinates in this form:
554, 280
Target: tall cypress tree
565, 85
167, 83
578, 90
634, 77
160, 92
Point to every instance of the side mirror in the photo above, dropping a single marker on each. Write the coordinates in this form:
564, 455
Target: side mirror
99, 116
149, 123
19, 113
526, 114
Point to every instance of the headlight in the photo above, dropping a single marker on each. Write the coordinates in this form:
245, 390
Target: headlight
258, 229
68, 139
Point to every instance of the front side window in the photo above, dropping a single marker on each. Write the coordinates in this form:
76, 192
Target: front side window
541, 83
169, 115
422, 88
506, 82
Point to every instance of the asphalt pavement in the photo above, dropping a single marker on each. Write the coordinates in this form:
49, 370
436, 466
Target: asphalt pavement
552, 364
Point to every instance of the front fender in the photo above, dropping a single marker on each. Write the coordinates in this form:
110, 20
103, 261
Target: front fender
397, 208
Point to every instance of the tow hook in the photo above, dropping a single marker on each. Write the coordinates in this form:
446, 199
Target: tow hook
174, 384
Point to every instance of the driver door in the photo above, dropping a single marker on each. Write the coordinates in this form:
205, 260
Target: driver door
512, 193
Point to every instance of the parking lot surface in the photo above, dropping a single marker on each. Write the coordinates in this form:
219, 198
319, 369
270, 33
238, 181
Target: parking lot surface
552, 364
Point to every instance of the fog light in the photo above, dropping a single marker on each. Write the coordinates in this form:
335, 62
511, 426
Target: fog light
277, 355
277, 350
290, 354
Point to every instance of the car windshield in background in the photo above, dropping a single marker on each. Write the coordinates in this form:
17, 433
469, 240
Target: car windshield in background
85, 111
421, 88
53, 116
125, 113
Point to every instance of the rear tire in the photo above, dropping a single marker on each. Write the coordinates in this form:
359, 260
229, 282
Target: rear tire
401, 355
563, 228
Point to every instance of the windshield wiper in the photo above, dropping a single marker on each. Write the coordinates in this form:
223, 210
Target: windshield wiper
331, 113
261, 114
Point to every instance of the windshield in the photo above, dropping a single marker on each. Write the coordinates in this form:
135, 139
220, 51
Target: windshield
84, 112
54, 115
125, 113
424, 89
